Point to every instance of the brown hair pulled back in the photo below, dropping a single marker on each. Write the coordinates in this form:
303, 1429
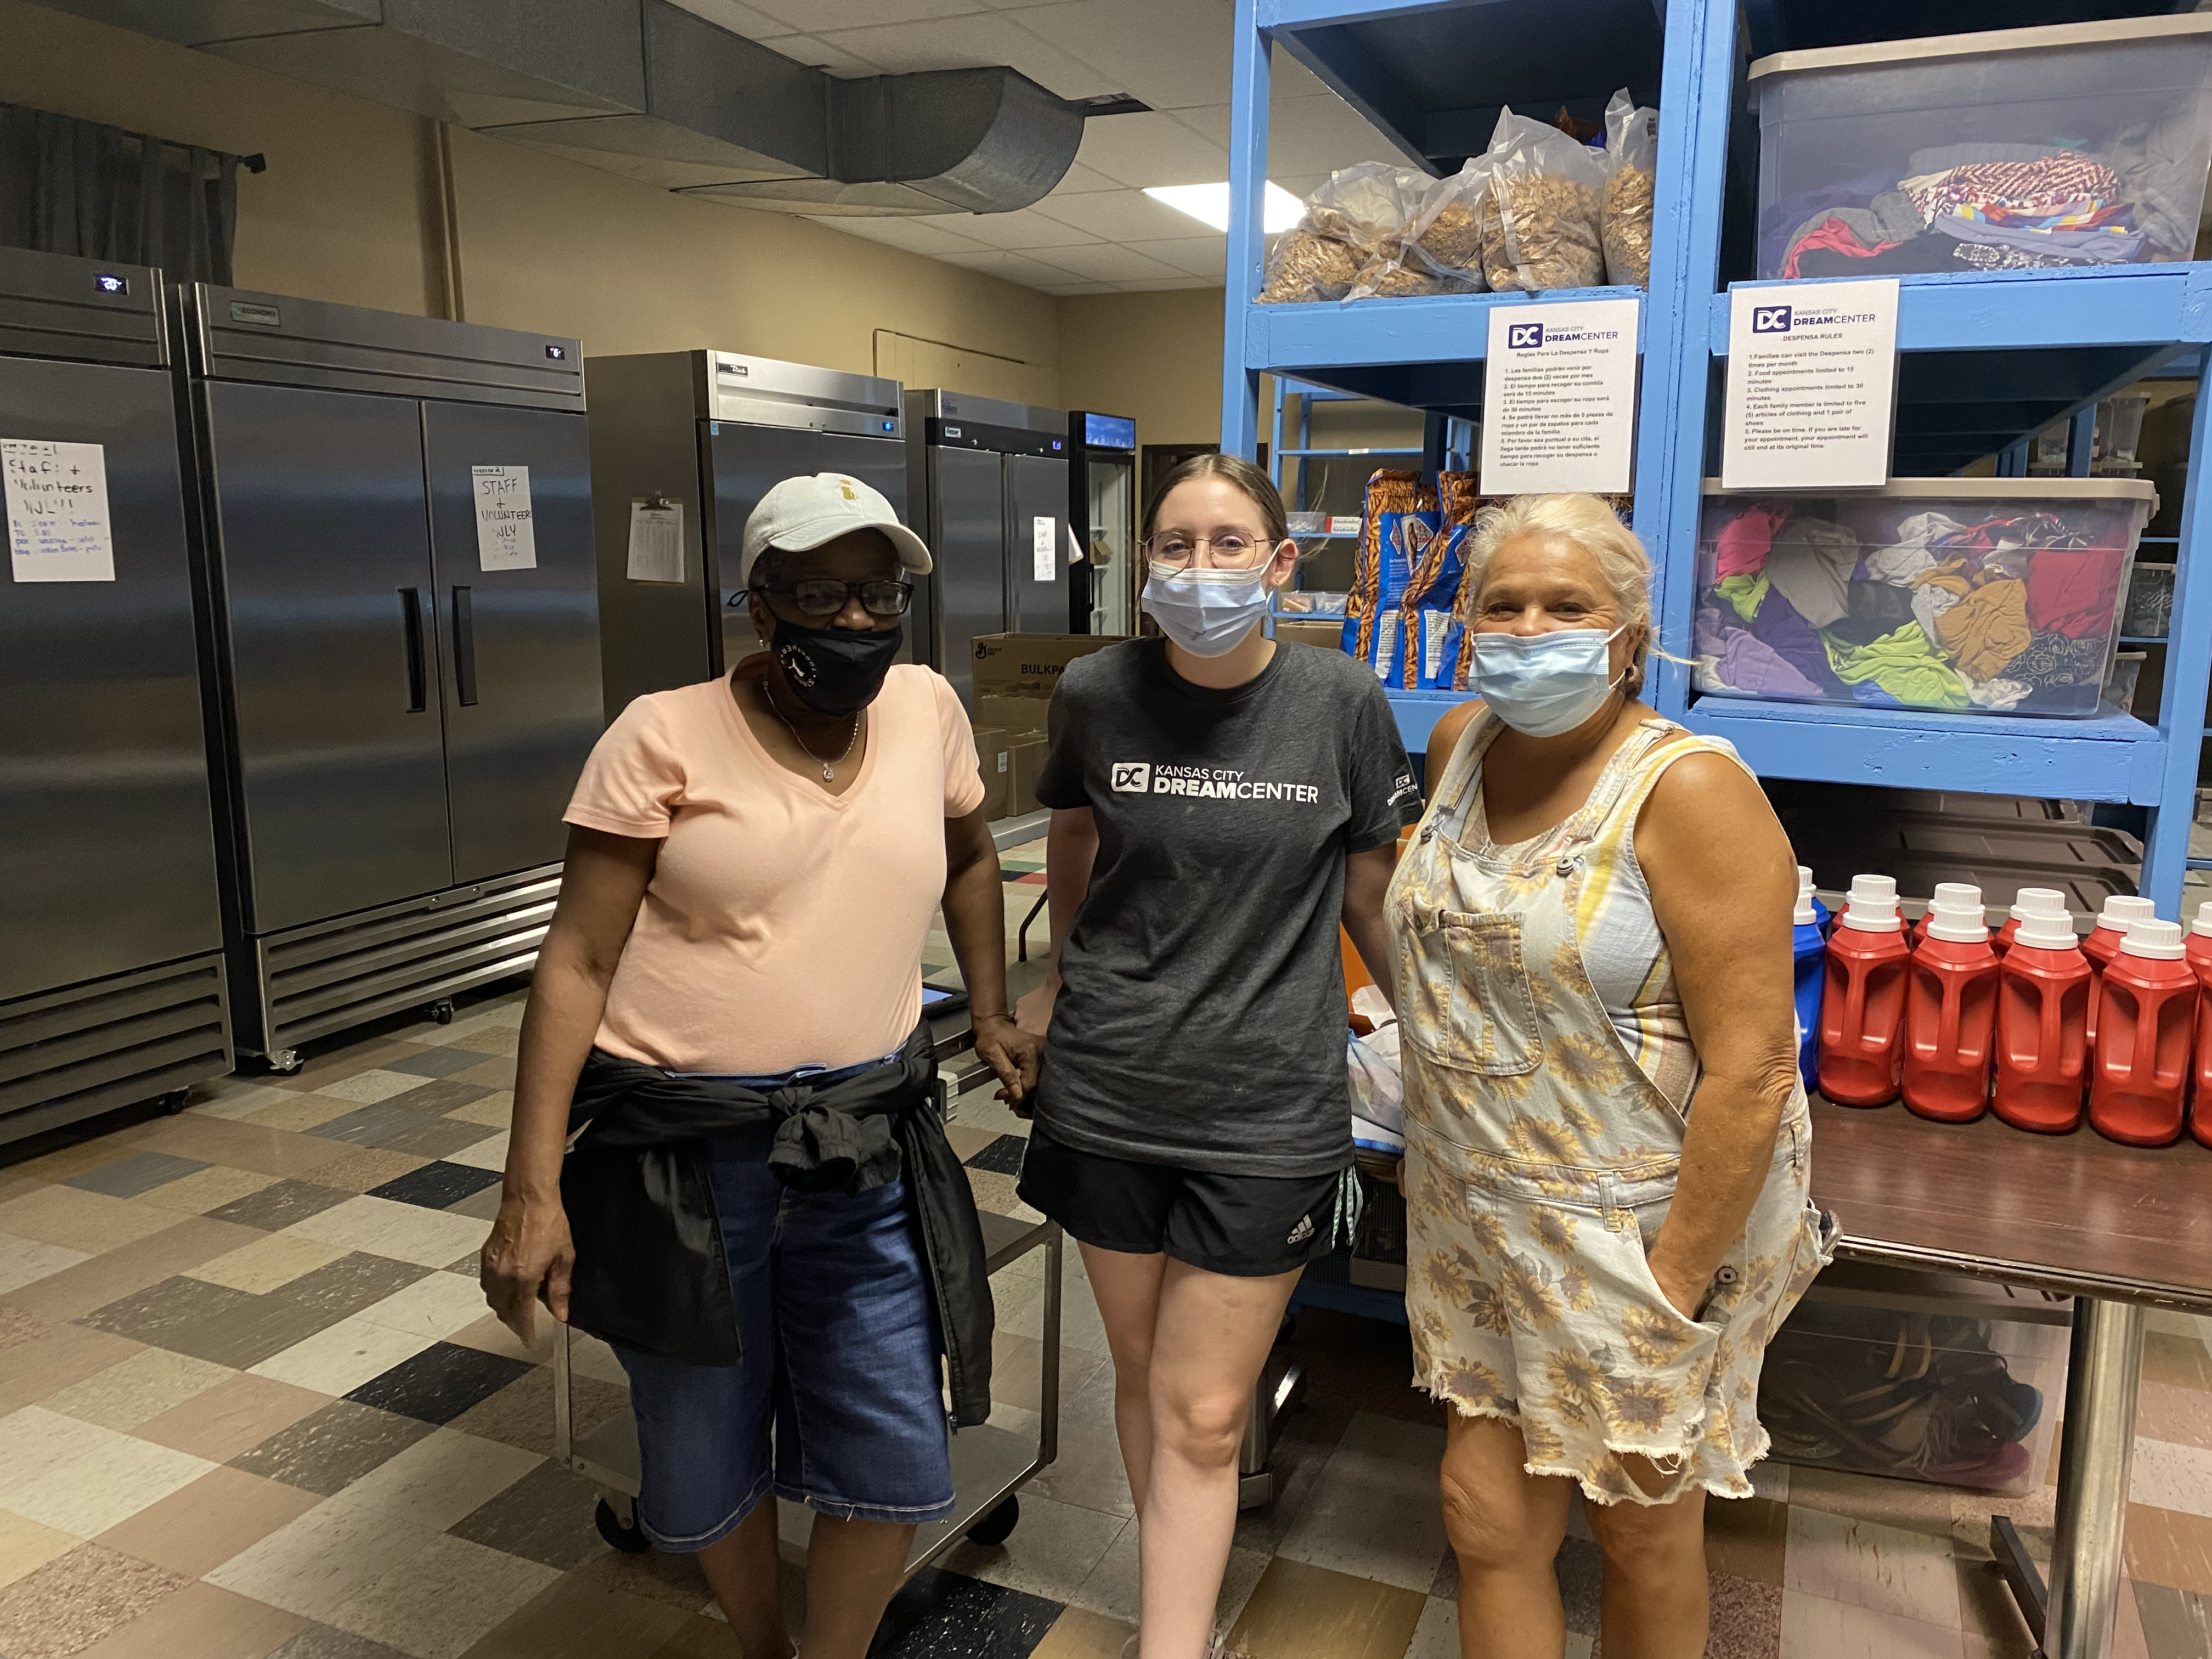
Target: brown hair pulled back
1238, 471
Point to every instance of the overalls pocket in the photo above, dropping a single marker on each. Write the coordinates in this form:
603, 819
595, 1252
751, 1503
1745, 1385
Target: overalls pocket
1465, 999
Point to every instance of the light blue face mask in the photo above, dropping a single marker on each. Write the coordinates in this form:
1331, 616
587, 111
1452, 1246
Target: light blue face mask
1543, 685
1206, 613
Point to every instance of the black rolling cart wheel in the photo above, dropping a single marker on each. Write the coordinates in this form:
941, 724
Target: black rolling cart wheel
630, 1539
994, 1526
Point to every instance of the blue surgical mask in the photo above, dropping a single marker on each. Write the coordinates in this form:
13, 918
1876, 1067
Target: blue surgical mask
1206, 613
1543, 684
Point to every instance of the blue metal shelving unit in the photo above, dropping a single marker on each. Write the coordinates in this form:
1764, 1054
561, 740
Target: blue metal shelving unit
1987, 360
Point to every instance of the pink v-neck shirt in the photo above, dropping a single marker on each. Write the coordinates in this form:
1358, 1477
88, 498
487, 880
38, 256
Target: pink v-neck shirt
783, 925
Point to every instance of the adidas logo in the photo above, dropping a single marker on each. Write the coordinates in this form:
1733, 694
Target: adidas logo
1302, 1232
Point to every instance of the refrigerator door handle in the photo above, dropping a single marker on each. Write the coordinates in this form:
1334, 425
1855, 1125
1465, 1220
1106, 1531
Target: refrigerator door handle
465, 647
411, 623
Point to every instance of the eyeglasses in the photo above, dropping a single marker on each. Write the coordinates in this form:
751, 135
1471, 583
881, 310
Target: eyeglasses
821, 596
1233, 550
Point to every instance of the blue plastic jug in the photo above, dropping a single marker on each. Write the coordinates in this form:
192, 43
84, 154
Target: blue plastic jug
1807, 947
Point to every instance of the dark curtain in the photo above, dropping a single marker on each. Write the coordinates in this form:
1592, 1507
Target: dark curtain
72, 186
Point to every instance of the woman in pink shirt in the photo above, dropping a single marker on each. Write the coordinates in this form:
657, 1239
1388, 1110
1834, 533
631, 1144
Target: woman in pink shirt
753, 867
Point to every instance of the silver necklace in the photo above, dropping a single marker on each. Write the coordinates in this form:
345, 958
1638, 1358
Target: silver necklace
829, 768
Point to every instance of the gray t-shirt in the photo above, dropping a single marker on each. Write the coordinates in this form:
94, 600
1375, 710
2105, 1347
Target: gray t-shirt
1200, 1022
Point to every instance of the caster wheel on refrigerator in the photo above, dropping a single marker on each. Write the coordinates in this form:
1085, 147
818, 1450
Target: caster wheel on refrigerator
995, 1526
629, 1539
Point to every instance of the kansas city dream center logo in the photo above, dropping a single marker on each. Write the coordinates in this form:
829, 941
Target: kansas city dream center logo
1203, 783
1770, 320
1533, 337
1524, 336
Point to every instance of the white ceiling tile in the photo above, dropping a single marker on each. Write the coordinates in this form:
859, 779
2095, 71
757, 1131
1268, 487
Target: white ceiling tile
1291, 79
805, 49
1198, 256
1012, 267
1120, 215
1080, 180
1103, 261
982, 37
1168, 52
930, 236
1150, 149
1026, 228
818, 16
747, 20
1164, 284
1065, 288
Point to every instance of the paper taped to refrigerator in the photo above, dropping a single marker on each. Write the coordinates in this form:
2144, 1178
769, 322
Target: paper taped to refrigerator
656, 540
57, 525
1044, 551
505, 538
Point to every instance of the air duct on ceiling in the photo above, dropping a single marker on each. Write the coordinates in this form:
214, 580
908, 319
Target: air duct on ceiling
647, 89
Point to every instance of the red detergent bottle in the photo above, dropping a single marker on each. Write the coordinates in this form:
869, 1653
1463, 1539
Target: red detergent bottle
2043, 1012
2140, 1074
2104, 944
2197, 953
1950, 1010
1949, 895
1862, 1000
2028, 901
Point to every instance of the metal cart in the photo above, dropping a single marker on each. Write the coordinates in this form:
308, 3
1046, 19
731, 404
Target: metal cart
989, 1463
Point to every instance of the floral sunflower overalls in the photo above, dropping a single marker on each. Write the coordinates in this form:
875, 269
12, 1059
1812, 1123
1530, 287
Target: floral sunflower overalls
1541, 1153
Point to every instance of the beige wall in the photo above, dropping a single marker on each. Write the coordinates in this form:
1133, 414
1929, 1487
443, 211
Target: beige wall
1154, 356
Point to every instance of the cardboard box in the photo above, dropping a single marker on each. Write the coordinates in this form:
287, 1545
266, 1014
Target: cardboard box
1328, 633
1025, 760
1030, 664
997, 772
1017, 717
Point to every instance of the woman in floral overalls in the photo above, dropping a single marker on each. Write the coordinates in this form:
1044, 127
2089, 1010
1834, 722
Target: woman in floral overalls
1606, 1140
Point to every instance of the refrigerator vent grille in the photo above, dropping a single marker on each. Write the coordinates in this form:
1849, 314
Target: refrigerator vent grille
333, 975
67, 1055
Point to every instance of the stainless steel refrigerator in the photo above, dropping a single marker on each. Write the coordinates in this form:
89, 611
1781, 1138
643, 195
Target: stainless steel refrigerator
401, 622
1102, 506
111, 937
991, 480
689, 441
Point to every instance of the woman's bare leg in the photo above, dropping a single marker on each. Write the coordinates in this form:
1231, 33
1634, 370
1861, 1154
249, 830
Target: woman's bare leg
741, 1571
853, 1570
1655, 1604
1505, 1526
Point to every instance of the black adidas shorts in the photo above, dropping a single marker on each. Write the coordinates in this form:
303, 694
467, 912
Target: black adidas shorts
1244, 1226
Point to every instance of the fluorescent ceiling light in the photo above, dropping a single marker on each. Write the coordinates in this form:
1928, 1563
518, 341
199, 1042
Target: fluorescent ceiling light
1209, 204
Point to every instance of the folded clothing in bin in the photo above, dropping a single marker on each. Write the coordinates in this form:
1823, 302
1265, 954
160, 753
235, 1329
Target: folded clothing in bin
1964, 595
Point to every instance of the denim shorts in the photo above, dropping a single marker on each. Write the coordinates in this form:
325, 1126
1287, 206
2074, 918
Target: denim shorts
840, 1370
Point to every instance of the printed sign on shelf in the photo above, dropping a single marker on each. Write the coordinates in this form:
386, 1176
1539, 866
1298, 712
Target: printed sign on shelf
57, 523
1558, 397
505, 538
1812, 386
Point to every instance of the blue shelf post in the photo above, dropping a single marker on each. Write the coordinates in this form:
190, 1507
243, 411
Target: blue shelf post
2188, 675
1247, 174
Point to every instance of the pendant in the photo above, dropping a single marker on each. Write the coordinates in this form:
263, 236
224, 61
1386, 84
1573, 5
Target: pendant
829, 773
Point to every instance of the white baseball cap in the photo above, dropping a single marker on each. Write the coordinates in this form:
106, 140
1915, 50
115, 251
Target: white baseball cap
799, 514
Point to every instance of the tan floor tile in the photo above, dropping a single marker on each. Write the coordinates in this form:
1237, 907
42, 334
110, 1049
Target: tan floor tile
341, 1357
365, 1167
1373, 1514
71, 1160
206, 1189
488, 1333
232, 1418
443, 1600
495, 1074
1301, 1612
26, 1261
367, 1088
1812, 1628
232, 1097
995, 1194
25, 1546
242, 1146
196, 1529
588, 1621
80, 1478
1891, 1568
403, 1232
493, 1111
500, 1041
1747, 1538
1987, 1612
1909, 1503
2168, 1546
76, 1599
319, 1071
317, 1564
299, 1113
702, 1637
1051, 1553
78, 1220
199, 1622
148, 1384
2176, 1361
269, 1260
49, 1363
966, 1141
185, 1242
1077, 1634
521, 1414
2183, 1416
439, 1481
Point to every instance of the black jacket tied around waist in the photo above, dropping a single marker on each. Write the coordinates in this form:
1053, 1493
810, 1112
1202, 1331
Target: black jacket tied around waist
650, 1270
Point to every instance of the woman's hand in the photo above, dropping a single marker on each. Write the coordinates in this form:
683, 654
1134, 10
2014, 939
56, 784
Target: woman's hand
1014, 1054
1686, 1293
528, 1255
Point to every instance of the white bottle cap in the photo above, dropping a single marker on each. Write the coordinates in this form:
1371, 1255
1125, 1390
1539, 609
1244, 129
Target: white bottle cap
2120, 910
2037, 901
1805, 915
1957, 914
1873, 906
2158, 940
2203, 923
2041, 932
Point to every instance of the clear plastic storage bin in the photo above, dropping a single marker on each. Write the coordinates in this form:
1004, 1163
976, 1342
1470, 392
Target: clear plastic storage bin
2079, 144
1973, 596
2150, 603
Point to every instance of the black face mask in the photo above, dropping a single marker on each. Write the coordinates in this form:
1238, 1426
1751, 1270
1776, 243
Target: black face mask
836, 671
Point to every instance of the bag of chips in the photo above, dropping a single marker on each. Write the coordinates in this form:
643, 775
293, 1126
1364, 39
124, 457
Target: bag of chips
1432, 589
1632, 147
1394, 534
1540, 217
